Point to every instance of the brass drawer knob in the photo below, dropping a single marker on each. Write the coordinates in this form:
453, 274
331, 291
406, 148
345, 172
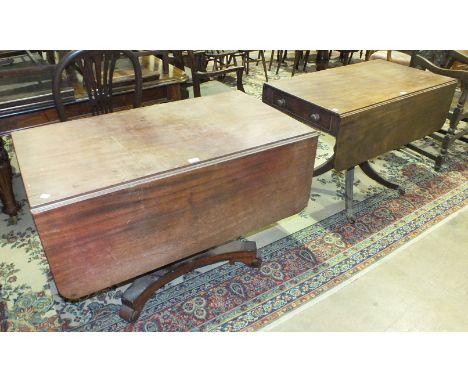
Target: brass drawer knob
315, 117
281, 102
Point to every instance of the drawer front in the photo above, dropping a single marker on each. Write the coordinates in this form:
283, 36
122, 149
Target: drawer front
306, 112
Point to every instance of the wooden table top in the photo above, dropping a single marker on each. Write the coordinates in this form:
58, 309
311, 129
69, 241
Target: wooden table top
349, 88
74, 159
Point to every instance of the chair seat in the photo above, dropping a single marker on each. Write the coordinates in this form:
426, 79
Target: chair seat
396, 57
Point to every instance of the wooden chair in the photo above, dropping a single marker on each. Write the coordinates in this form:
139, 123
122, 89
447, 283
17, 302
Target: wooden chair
345, 56
11, 72
455, 116
97, 71
221, 66
246, 60
281, 56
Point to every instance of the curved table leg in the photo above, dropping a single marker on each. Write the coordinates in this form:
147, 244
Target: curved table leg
143, 288
371, 173
324, 167
10, 206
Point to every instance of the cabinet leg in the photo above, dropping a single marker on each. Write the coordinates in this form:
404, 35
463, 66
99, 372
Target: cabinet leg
143, 288
10, 206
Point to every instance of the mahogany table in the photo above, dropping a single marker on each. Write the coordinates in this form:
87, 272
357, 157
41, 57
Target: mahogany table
118, 195
370, 108
26, 101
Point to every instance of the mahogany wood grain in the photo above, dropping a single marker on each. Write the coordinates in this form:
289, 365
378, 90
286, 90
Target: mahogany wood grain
370, 107
114, 196
391, 125
353, 87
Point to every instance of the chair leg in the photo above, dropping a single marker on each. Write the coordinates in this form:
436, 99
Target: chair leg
297, 58
280, 55
306, 60
196, 86
261, 55
451, 132
272, 56
240, 85
247, 61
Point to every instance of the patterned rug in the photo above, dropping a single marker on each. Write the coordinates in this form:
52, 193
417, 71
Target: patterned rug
303, 256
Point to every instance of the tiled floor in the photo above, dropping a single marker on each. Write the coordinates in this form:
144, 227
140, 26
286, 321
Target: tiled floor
421, 287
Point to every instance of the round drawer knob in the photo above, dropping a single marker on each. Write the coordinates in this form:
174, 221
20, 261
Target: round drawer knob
315, 117
281, 102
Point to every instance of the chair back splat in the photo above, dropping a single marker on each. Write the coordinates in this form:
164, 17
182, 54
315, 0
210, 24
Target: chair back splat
96, 69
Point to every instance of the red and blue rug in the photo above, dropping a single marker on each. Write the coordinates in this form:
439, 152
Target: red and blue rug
295, 269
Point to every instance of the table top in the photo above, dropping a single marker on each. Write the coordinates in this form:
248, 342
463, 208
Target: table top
74, 159
353, 87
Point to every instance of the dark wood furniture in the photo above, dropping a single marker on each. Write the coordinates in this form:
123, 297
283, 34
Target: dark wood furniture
221, 66
396, 56
118, 195
247, 60
457, 115
31, 104
321, 60
345, 56
96, 68
26, 100
36, 75
370, 108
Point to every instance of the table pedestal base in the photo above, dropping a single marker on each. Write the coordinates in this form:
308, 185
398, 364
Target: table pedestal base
143, 288
368, 170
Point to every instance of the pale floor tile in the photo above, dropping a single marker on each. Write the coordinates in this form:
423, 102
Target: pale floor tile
424, 287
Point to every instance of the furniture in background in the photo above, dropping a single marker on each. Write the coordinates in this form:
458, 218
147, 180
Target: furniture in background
321, 59
221, 66
27, 101
14, 96
345, 56
396, 56
260, 58
459, 112
118, 195
96, 69
370, 108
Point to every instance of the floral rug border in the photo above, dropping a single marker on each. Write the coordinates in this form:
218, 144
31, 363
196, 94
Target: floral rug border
311, 288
